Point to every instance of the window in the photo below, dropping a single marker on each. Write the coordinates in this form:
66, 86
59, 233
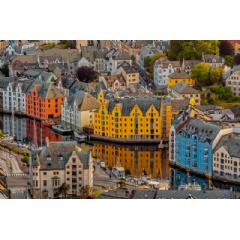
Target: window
45, 183
74, 160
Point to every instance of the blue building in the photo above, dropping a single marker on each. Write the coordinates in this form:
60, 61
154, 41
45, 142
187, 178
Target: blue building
193, 145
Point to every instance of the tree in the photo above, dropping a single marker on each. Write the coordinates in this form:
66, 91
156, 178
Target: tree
68, 44
1, 134
5, 70
229, 60
86, 74
223, 93
216, 75
201, 73
192, 49
226, 48
63, 189
25, 159
237, 59
133, 58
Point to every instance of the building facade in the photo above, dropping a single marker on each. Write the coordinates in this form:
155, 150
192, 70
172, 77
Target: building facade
233, 82
43, 100
194, 143
78, 110
58, 163
130, 118
178, 77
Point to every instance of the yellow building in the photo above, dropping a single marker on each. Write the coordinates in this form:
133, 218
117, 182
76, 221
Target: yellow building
237, 48
130, 118
130, 74
136, 159
180, 76
3, 45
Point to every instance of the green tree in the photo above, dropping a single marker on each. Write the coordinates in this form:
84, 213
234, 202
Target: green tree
63, 189
5, 70
222, 92
216, 75
68, 44
204, 102
133, 58
192, 49
201, 73
1, 133
229, 60
25, 159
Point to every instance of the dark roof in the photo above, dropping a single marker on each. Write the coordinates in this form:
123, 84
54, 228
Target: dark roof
184, 194
129, 69
179, 74
183, 88
179, 104
145, 194
206, 132
231, 145
117, 194
210, 57
56, 150
127, 104
84, 101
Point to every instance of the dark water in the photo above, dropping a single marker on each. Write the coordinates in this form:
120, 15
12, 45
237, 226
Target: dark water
136, 159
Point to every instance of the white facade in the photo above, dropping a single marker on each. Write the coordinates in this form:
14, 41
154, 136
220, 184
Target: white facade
161, 72
14, 99
113, 65
10, 50
234, 83
70, 116
100, 65
84, 62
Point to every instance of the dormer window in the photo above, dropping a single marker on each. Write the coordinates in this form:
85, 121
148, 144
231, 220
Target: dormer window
60, 157
49, 165
48, 158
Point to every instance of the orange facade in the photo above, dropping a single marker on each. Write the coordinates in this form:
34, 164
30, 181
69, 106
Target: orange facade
39, 107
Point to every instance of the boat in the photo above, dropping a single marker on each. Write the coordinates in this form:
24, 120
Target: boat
61, 129
48, 123
79, 136
190, 186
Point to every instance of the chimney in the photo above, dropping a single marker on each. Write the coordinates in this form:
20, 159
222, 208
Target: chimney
47, 142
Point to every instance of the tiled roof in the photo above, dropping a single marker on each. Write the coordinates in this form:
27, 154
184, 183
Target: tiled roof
179, 104
145, 194
184, 194
31, 58
127, 104
179, 74
232, 145
84, 100
206, 132
129, 69
56, 150
183, 88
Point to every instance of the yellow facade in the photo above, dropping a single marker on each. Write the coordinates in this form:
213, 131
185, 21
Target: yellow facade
136, 159
237, 48
134, 126
174, 81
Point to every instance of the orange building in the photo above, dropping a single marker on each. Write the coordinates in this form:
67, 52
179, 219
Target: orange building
41, 133
43, 100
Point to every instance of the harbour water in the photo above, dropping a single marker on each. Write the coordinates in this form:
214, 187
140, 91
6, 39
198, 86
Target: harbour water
136, 159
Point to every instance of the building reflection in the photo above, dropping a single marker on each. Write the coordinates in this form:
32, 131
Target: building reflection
136, 159
23, 130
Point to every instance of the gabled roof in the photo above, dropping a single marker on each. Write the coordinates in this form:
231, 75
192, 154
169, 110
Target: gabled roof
183, 88
84, 101
56, 150
179, 74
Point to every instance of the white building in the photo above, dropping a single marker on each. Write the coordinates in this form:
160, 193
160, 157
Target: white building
78, 110
147, 51
226, 156
234, 83
14, 97
14, 125
162, 69
10, 50
213, 60
84, 62
117, 59
58, 163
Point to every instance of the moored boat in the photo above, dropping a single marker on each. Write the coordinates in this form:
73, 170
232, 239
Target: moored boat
61, 129
48, 123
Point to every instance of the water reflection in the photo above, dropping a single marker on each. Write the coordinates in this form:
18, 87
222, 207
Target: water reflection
23, 130
136, 159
